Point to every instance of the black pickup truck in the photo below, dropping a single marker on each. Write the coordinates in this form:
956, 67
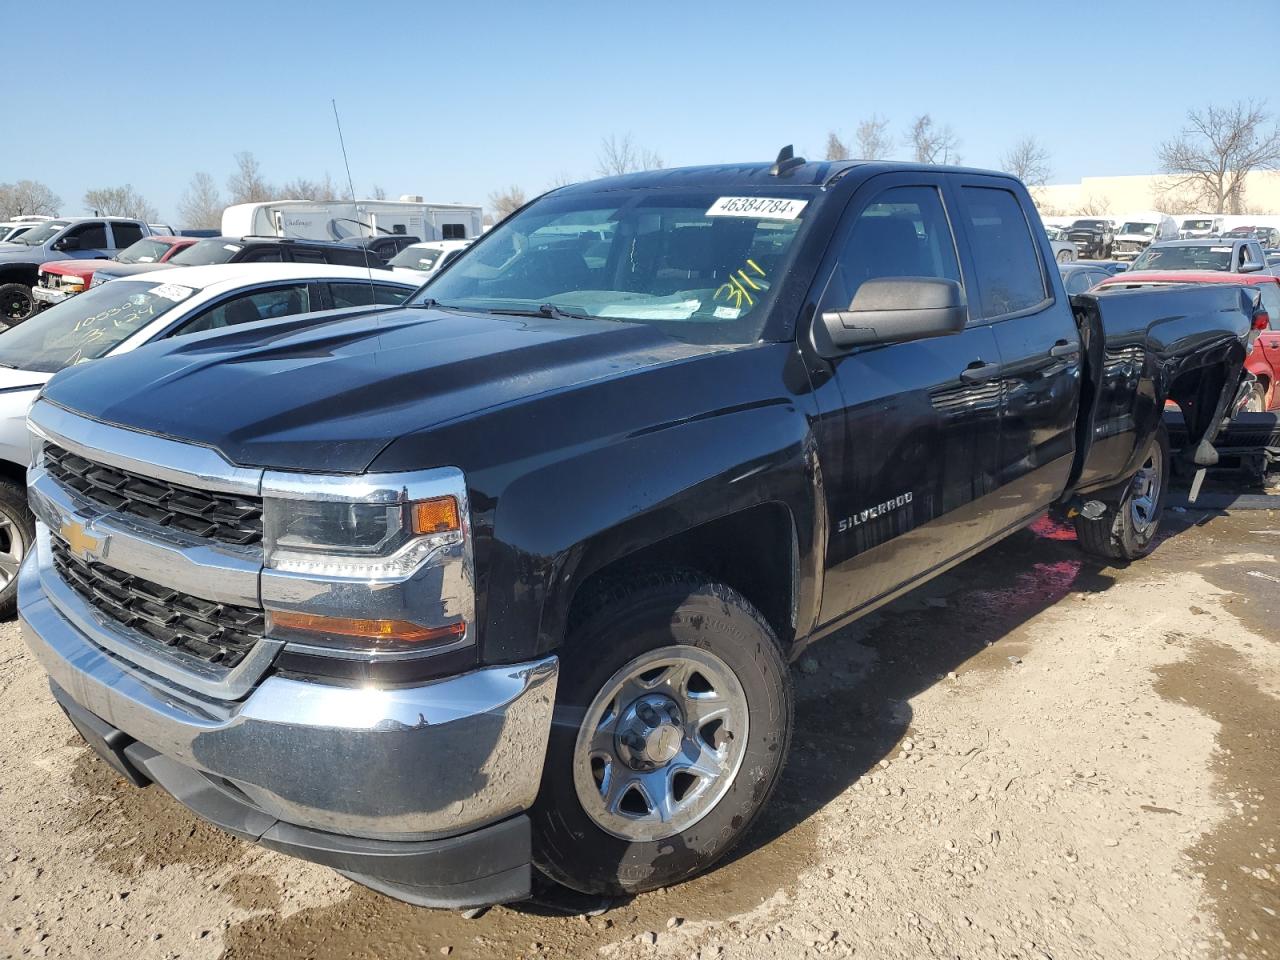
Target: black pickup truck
509, 579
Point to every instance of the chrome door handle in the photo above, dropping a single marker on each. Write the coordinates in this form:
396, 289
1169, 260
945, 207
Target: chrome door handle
978, 371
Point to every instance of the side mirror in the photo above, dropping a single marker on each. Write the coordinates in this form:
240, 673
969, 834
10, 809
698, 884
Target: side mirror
894, 310
1250, 267
67, 243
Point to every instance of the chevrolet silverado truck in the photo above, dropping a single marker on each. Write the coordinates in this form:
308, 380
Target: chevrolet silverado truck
75, 238
505, 584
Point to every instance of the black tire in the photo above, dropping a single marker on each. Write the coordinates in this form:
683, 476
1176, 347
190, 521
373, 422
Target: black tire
1118, 534
16, 303
17, 536
617, 626
1065, 256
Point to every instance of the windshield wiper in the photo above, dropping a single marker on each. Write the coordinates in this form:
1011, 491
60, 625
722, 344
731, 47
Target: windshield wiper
548, 310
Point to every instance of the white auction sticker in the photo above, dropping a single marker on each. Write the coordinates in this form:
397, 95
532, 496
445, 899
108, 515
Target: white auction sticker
1219, 249
172, 291
762, 208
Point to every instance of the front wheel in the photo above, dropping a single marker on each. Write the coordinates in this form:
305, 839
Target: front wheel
17, 534
673, 720
1065, 256
16, 303
1127, 530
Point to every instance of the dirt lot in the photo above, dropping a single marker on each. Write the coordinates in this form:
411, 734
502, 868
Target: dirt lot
1032, 757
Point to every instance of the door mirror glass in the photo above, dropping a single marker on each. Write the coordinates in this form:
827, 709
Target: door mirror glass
67, 243
895, 310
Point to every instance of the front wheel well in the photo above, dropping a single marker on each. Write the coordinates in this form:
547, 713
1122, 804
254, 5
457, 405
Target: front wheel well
27, 274
752, 551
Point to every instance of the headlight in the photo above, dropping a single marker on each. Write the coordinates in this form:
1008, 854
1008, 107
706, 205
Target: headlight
371, 565
99, 279
353, 539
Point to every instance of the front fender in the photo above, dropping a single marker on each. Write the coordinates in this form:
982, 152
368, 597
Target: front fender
556, 525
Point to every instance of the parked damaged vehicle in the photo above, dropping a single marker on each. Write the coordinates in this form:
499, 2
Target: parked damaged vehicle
508, 580
65, 278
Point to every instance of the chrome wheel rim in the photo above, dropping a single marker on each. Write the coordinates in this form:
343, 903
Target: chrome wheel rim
12, 549
661, 744
1144, 493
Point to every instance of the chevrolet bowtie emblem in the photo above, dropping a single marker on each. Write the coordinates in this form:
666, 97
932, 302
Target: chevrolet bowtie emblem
80, 542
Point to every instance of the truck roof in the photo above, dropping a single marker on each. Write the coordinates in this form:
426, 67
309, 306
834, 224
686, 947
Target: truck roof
802, 173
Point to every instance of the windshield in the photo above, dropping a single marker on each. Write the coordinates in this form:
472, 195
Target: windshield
1146, 229
41, 232
1090, 224
1206, 256
1196, 224
89, 325
204, 252
144, 251
701, 267
416, 258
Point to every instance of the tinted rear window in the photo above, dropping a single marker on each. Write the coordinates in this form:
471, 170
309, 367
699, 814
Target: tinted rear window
1010, 271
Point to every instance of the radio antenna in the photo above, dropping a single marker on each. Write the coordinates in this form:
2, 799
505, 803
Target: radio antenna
351, 188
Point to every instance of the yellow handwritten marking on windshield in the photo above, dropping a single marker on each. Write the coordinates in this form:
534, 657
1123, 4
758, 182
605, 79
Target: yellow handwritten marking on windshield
755, 266
735, 290
749, 282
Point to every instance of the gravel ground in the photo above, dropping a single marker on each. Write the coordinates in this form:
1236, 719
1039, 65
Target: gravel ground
1031, 757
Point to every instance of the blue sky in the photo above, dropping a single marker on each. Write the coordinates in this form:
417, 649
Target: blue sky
456, 100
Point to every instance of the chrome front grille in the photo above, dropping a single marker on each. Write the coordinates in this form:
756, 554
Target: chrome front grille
224, 517
220, 634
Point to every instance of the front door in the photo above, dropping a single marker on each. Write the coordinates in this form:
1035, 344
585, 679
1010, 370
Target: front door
910, 488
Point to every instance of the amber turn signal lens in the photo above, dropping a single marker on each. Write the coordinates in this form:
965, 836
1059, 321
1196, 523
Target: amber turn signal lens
439, 515
390, 630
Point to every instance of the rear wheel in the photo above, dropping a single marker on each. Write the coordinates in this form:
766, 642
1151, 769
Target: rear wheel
1065, 256
1127, 530
17, 534
673, 719
16, 303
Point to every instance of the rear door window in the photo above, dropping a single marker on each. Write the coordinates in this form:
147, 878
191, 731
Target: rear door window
126, 234
356, 294
1010, 270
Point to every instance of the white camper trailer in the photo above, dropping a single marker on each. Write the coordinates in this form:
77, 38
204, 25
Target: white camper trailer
346, 219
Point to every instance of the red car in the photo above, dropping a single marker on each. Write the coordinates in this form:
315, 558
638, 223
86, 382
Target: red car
64, 278
1264, 361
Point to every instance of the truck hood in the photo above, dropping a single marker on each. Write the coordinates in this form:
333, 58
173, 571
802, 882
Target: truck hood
295, 395
82, 268
20, 251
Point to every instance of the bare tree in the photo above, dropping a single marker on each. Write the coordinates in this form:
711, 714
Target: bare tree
119, 202
506, 202
300, 188
201, 205
874, 140
930, 143
1219, 148
837, 149
619, 155
379, 193
561, 179
247, 185
1028, 161
27, 198
1093, 206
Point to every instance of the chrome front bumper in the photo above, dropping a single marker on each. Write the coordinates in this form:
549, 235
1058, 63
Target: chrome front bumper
405, 764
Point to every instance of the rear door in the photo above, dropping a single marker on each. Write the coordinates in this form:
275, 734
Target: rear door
1039, 344
909, 480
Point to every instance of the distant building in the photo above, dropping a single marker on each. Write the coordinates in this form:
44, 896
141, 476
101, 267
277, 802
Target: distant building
1115, 195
